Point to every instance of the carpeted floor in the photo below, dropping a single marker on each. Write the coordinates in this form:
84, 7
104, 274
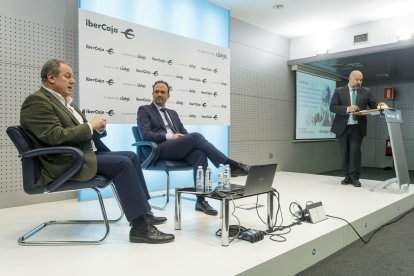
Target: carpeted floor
373, 173
389, 252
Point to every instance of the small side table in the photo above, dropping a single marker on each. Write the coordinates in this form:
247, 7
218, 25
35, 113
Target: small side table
224, 210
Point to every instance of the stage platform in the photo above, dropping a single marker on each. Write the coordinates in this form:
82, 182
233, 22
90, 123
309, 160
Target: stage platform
197, 250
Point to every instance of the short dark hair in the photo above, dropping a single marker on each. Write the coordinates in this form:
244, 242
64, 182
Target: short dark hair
161, 81
50, 67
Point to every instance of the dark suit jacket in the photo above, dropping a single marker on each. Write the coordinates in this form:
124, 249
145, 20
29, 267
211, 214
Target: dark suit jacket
340, 102
151, 126
48, 122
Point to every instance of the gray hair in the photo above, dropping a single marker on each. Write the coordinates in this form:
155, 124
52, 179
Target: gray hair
50, 67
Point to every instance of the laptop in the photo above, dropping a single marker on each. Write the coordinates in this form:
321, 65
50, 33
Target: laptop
259, 180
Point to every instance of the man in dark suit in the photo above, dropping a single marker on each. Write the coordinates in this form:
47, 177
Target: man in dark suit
49, 118
351, 129
164, 127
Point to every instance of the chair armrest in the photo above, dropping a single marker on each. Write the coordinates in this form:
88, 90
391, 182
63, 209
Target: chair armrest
77, 153
155, 152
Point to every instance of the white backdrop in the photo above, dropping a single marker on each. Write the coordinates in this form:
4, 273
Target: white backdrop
119, 61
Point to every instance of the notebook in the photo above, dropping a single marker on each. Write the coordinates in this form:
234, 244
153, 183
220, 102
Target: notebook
259, 180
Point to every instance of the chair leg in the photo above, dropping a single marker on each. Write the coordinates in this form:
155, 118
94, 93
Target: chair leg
118, 201
167, 195
23, 239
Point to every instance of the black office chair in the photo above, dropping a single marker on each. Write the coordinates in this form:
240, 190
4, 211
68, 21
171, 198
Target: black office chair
151, 162
31, 171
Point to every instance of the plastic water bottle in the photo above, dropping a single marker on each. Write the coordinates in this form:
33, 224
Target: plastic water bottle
220, 169
227, 178
207, 180
224, 181
200, 179
220, 183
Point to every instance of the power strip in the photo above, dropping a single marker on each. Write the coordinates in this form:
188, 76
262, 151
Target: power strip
251, 235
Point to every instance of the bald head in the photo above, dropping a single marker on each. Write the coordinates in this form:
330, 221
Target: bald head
355, 79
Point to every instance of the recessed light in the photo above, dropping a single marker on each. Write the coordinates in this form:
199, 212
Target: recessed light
383, 75
405, 36
278, 6
356, 64
322, 51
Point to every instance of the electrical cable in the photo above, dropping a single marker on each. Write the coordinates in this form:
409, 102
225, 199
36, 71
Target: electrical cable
277, 237
282, 230
234, 230
239, 226
300, 215
275, 193
376, 230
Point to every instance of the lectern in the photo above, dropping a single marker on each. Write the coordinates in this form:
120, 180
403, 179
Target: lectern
393, 119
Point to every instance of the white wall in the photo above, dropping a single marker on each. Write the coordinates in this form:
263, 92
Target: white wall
57, 13
31, 33
263, 105
262, 87
379, 32
382, 33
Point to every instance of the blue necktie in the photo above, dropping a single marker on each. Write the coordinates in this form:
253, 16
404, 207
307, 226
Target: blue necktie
168, 120
354, 101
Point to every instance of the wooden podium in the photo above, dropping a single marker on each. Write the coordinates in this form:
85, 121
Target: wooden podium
393, 119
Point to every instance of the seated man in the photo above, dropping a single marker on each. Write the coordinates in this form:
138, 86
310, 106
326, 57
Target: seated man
49, 118
164, 127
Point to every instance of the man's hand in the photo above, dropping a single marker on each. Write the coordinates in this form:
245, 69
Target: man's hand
382, 105
353, 108
98, 124
177, 135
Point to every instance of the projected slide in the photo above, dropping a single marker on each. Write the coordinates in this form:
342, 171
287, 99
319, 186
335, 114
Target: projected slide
313, 95
119, 61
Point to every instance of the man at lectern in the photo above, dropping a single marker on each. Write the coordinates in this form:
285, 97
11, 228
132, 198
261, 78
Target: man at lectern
351, 129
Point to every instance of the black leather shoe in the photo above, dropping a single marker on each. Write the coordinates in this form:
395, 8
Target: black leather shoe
241, 170
356, 183
346, 181
149, 235
206, 208
151, 219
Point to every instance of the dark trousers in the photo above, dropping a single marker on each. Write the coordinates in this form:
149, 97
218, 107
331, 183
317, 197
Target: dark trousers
350, 144
192, 148
123, 167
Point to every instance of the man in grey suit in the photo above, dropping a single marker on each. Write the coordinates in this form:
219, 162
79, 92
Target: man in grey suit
164, 127
50, 118
351, 129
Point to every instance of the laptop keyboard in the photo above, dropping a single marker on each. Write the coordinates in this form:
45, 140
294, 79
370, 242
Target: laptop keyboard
237, 189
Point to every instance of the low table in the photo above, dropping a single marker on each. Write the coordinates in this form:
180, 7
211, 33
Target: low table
224, 210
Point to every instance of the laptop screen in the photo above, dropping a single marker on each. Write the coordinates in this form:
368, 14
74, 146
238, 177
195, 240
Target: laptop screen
260, 179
